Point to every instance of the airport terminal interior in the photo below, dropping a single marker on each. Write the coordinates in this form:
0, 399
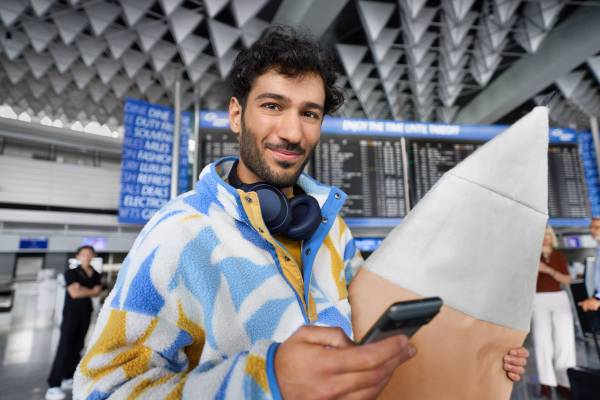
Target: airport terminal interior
110, 108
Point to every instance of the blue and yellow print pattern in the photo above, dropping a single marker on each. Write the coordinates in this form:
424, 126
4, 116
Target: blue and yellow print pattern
206, 294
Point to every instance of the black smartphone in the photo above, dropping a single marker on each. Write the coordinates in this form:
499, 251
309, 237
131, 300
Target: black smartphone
403, 318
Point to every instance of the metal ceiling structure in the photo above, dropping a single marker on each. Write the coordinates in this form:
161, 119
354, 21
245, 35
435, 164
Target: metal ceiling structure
428, 60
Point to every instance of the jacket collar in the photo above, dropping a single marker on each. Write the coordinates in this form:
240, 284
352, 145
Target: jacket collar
213, 188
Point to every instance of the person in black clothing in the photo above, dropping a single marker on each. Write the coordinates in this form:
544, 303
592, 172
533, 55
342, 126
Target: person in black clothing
82, 284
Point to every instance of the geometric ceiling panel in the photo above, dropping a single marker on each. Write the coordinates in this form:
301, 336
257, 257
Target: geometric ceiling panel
149, 32
161, 54
119, 40
505, 10
457, 31
63, 56
90, 48
132, 62
417, 26
58, 81
40, 33
384, 43
38, 63
223, 36
199, 67
120, 84
245, 10
82, 74
252, 30
412, 7
351, 56
134, 10
143, 80
10, 10
594, 64
569, 83
97, 90
213, 7
360, 74
206, 83
170, 5
226, 62
375, 15
13, 44
37, 87
413, 59
107, 68
40, 6
457, 10
191, 47
183, 22
69, 25
101, 15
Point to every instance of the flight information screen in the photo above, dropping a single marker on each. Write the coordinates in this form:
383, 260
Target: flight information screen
429, 160
566, 191
368, 169
218, 145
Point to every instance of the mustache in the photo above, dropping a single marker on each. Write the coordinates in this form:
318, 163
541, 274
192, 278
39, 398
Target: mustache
287, 146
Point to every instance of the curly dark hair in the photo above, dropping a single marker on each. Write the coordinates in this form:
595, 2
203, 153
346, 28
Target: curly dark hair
291, 53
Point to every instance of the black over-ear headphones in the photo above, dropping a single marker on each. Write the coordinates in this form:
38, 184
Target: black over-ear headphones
297, 218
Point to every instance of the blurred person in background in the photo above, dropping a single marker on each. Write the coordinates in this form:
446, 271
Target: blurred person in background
553, 327
593, 303
82, 283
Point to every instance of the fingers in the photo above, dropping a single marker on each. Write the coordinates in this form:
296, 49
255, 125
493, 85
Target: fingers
516, 361
519, 352
514, 377
366, 384
325, 336
372, 355
509, 368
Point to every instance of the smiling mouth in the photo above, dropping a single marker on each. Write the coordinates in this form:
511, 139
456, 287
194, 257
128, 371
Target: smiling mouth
284, 154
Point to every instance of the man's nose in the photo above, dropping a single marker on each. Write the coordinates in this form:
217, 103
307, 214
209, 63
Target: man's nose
291, 127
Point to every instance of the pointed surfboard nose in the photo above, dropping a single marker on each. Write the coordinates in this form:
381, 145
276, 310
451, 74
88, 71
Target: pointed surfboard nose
515, 163
475, 238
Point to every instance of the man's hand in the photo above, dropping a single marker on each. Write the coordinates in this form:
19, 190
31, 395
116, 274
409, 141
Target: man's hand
323, 363
514, 363
591, 304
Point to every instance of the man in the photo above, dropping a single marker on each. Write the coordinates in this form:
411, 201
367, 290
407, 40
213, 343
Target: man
82, 283
593, 303
209, 303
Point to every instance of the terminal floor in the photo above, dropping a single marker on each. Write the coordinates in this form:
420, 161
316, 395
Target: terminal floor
29, 336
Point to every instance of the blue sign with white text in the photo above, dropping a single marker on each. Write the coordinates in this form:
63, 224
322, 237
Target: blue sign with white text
146, 159
390, 128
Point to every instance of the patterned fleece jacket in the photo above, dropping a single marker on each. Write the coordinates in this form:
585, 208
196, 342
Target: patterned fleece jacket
206, 294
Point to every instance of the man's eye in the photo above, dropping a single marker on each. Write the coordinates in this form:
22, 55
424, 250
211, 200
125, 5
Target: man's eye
312, 114
271, 106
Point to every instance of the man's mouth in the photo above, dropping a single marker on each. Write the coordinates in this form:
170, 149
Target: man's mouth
289, 156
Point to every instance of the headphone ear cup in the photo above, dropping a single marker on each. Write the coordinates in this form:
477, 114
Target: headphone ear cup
274, 207
305, 217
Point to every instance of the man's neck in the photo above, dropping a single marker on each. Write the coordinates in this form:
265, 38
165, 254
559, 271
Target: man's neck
248, 177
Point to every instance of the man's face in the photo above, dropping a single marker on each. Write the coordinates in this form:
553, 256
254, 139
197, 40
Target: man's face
85, 256
279, 127
595, 229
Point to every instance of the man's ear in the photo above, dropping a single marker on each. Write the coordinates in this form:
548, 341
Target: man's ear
235, 115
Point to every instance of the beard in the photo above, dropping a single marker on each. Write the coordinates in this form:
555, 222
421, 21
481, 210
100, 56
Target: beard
252, 154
